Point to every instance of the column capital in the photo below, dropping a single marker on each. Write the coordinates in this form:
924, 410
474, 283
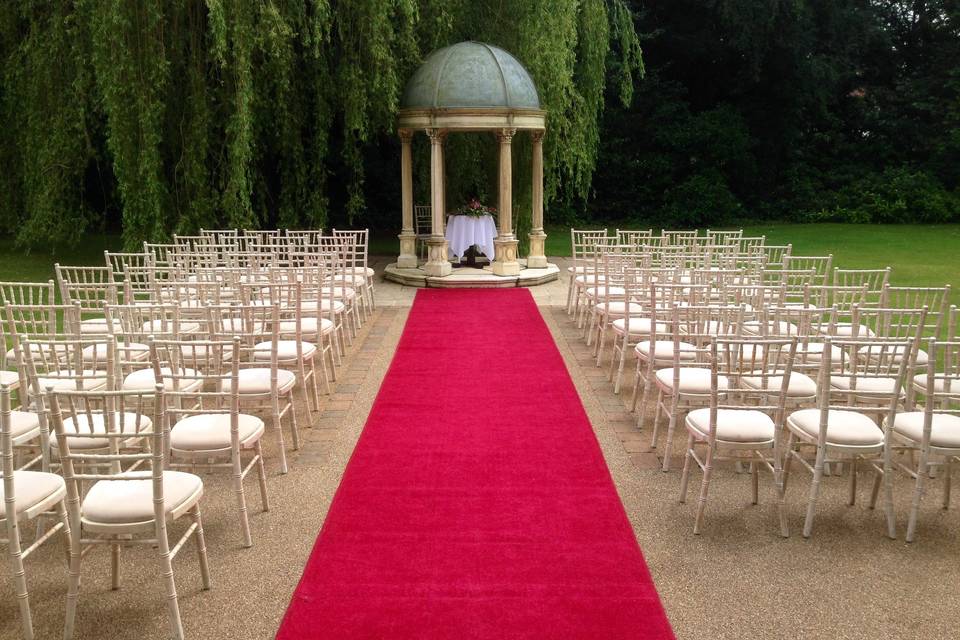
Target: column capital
406, 135
505, 135
537, 135
436, 135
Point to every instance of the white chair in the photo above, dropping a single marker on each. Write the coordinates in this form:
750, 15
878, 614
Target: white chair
91, 288
843, 427
740, 418
933, 430
263, 385
685, 384
25, 496
132, 497
208, 429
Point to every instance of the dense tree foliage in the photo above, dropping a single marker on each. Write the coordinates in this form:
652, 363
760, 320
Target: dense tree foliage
153, 117
162, 116
805, 110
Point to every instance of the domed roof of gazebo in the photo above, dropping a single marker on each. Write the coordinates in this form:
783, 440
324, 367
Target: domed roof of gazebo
471, 75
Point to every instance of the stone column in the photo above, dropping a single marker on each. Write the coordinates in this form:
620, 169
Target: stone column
437, 263
505, 246
537, 259
408, 236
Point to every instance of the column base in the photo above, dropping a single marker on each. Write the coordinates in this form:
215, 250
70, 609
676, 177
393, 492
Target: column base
408, 251
437, 264
505, 256
537, 258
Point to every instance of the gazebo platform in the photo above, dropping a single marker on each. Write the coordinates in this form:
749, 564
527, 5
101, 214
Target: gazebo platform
472, 278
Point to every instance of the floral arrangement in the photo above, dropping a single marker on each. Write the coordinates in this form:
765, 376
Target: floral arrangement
476, 209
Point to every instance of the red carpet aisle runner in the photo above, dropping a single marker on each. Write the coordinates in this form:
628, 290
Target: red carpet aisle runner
477, 503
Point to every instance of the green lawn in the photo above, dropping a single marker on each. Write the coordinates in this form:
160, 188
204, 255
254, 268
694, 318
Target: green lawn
920, 255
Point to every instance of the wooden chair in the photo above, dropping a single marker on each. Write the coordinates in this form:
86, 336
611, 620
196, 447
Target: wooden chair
208, 430
25, 496
740, 418
132, 497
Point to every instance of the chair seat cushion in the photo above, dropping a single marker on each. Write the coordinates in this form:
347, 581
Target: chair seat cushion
891, 354
340, 292
355, 281
638, 326
845, 330
618, 308
88, 380
866, 386
96, 423
664, 350
10, 378
99, 325
939, 384
31, 488
286, 350
847, 428
125, 351
131, 501
166, 326
308, 326
772, 328
590, 279
606, 292
693, 380
144, 380
37, 348
944, 430
240, 325
813, 352
734, 425
799, 386
256, 381
310, 306
24, 425
211, 431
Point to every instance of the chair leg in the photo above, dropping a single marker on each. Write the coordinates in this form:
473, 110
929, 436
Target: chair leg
20, 581
173, 606
262, 477
294, 428
918, 491
201, 547
814, 492
634, 396
852, 484
622, 363
671, 427
755, 482
947, 467
73, 571
115, 565
656, 418
685, 474
704, 489
280, 442
245, 538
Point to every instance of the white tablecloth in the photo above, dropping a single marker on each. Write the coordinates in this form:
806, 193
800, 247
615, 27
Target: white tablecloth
465, 231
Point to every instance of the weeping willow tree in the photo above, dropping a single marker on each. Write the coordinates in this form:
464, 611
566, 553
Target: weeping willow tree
153, 117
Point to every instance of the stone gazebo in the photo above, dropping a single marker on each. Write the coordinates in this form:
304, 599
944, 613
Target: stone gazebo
466, 87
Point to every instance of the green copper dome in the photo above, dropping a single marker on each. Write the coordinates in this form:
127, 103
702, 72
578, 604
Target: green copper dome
470, 75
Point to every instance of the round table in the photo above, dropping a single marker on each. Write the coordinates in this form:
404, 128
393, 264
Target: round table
465, 231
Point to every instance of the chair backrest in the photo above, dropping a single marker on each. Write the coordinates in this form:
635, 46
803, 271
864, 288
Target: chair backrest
795, 281
724, 237
123, 459
422, 219
942, 394
822, 265
635, 238
118, 262
874, 279
766, 362
678, 237
583, 241
90, 287
935, 299
360, 239
860, 363
28, 293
